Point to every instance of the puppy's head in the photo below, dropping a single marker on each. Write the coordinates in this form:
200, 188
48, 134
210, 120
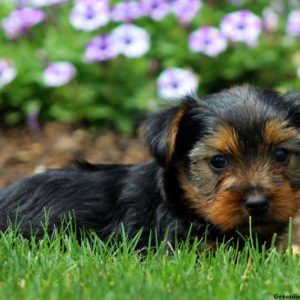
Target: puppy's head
235, 154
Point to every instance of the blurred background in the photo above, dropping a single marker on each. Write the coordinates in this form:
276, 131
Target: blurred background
103, 63
76, 76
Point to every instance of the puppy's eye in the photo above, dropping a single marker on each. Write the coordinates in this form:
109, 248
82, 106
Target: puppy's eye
281, 155
218, 162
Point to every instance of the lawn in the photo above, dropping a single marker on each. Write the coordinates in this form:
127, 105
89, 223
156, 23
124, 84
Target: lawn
64, 269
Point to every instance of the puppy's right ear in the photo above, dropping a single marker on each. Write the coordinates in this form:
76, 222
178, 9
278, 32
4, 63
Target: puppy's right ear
293, 100
161, 130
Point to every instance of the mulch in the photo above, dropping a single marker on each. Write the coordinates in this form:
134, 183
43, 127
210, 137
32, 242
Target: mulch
58, 145
23, 153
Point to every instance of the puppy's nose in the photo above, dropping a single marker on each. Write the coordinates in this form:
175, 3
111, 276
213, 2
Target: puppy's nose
257, 204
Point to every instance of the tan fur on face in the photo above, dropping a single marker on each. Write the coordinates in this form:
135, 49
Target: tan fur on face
219, 198
285, 202
276, 132
227, 211
224, 140
171, 140
223, 211
192, 194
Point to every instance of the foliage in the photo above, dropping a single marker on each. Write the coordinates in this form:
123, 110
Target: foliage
114, 91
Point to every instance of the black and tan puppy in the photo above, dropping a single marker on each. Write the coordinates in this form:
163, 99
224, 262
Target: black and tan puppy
217, 161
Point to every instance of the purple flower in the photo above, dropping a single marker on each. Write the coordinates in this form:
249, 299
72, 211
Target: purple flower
207, 40
126, 11
58, 74
131, 40
20, 3
13, 27
175, 82
89, 15
100, 48
242, 26
41, 3
7, 72
21, 20
293, 23
270, 20
155, 9
186, 10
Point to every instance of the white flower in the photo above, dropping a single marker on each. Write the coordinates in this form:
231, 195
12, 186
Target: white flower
13, 27
41, 3
207, 40
293, 23
7, 72
59, 74
21, 20
155, 9
242, 26
89, 15
100, 48
175, 82
131, 40
186, 10
126, 11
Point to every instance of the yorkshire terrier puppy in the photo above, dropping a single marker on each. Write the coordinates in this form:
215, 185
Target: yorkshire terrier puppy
216, 161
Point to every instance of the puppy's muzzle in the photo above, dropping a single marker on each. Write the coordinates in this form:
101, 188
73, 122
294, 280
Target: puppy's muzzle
256, 204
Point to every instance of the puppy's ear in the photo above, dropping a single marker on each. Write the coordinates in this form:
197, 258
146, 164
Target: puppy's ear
293, 101
161, 130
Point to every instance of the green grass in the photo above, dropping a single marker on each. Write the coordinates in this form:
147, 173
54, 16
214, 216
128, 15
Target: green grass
64, 269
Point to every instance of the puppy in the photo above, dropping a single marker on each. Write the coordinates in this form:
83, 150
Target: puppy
216, 161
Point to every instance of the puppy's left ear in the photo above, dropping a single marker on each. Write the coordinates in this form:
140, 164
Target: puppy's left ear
160, 131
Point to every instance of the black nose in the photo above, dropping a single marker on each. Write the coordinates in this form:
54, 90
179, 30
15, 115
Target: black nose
256, 204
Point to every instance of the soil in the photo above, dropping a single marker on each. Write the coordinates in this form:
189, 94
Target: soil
58, 145
23, 153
